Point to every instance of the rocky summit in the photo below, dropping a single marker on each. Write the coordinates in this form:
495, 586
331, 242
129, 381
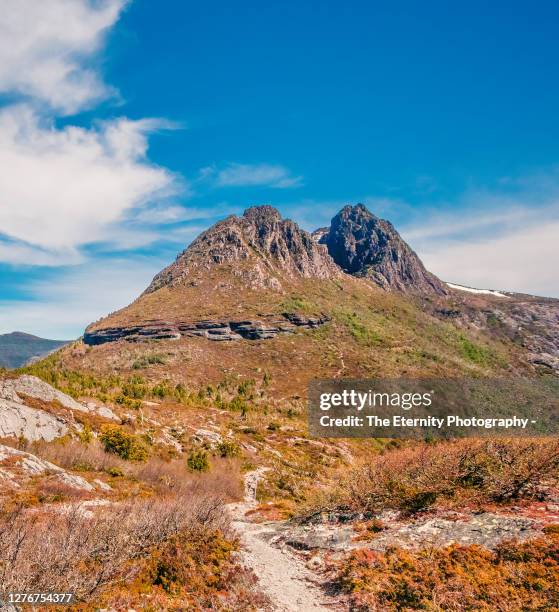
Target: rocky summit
234, 281
265, 249
366, 246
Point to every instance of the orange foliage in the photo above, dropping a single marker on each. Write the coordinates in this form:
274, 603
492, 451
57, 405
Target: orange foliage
516, 576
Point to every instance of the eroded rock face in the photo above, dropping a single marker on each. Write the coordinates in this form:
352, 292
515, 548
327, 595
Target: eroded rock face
265, 246
534, 325
218, 331
366, 246
530, 322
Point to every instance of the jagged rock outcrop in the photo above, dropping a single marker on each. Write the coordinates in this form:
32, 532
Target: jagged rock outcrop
264, 247
210, 329
366, 246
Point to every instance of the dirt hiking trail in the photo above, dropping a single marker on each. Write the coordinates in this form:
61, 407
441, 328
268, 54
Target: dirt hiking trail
290, 586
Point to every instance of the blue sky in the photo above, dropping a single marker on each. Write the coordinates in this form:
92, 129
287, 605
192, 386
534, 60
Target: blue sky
128, 127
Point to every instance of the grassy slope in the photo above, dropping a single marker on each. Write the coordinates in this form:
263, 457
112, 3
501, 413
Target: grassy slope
371, 333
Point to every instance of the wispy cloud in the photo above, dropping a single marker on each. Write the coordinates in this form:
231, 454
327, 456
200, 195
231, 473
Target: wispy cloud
62, 189
68, 187
25, 255
494, 238
252, 175
44, 46
521, 260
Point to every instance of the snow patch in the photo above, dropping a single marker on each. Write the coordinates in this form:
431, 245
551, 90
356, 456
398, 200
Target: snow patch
472, 290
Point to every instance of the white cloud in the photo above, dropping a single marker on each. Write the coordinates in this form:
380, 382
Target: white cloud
68, 187
523, 260
62, 305
501, 243
252, 175
44, 45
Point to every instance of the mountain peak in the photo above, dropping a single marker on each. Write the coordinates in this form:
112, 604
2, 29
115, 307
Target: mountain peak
259, 247
262, 214
364, 245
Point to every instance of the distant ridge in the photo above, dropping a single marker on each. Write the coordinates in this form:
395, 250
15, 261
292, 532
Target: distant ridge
17, 348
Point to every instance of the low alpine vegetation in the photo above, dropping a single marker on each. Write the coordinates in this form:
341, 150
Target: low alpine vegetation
516, 576
416, 477
178, 550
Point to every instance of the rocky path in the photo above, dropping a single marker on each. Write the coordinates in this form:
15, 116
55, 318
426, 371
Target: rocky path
290, 586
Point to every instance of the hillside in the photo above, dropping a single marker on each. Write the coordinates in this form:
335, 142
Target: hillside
201, 383
257, 292
17, 348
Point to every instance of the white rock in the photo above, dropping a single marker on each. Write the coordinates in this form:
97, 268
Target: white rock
101, 410
205, 435
39, 389
72, 480
102, 485
19, 420
35, 466
8, 477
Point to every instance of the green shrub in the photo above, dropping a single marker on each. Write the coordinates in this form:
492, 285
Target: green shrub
227, 448
244, 388
295, 304
147, 360
125, 445
198, 461
473, 352
162, 390
238, 404
85, 435
362, 333
114, 471
135, 388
